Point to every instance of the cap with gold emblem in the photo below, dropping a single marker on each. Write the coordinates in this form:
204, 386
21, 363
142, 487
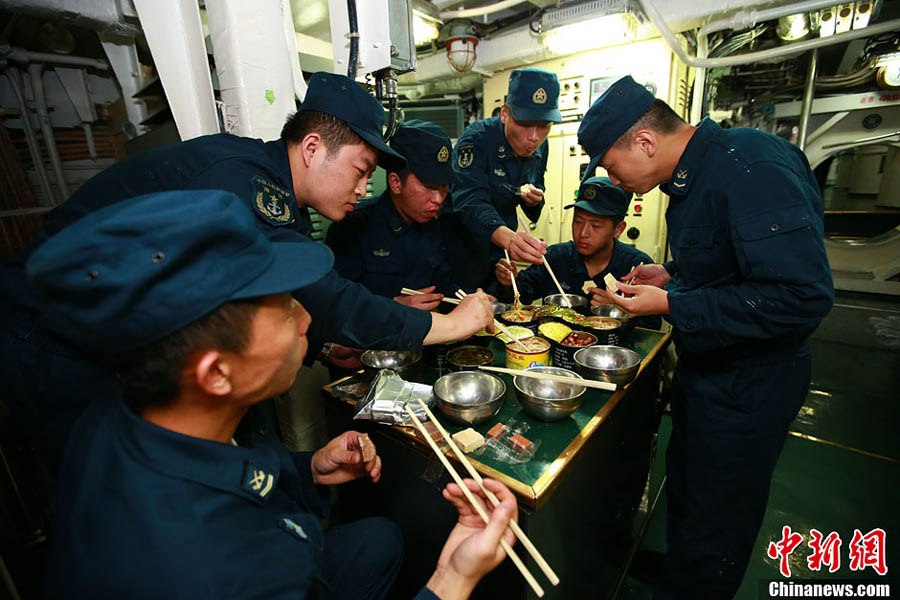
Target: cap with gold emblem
533, 95
427, 150
599, 196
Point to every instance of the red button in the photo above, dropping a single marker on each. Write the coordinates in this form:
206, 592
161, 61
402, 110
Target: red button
637, 208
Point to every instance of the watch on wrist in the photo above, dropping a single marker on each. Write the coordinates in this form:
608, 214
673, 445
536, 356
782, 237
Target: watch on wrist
325, 352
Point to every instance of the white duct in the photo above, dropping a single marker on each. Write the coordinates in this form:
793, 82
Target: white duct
175, 36
253, 65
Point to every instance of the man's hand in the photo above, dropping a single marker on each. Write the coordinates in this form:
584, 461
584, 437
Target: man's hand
531, 195
524, 246
426, 301
473, 312
473, 549
503, 271
345, 357
655, 275
641, 300
340, 461
599, 296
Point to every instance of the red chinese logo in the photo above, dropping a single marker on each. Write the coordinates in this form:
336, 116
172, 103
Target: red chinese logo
824, 551
783, 548
868, 551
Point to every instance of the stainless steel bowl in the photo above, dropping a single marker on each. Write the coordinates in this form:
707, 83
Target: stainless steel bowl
578, 301
501, 307
398, 360
549, 400
469, 397
613, 364
613, 311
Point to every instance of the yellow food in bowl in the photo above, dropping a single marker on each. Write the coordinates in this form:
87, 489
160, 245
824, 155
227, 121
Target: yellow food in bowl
554, 331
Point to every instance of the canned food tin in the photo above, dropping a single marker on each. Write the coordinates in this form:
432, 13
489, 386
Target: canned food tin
537, 354
563, 355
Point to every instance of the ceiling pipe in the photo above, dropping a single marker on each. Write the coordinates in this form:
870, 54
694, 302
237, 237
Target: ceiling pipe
15, 80
729, 61
808, 94
20, 55
748, 18
481, 10
40, 100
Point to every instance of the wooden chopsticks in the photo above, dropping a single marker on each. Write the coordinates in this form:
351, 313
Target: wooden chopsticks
410, 292
600, 385
512, 278
461, 294
529, 546
565, 298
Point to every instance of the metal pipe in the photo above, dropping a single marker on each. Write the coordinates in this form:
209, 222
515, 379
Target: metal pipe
700, 81
729, 61
89, 138
748, 18
37, 87
21, 55
482, 10
15, 79
808, 92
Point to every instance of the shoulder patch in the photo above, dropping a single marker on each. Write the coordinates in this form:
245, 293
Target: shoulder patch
257, 480
465, 155
271, 202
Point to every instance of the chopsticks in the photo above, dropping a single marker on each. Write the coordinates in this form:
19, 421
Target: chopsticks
461, 294
600, 385
410, 292
478, 508
512, 277
565, 298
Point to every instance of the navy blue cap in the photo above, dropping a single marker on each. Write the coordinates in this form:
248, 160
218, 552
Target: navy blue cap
620, 107
341, 97
427, 150
599, 196
134, 272
533, 95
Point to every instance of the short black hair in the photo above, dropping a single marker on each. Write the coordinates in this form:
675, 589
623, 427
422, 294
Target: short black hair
335, 132
150, 376
659, 117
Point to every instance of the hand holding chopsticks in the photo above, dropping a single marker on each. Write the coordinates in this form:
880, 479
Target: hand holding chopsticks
461, 294
600, 385
565, 298
410, 292
477, 506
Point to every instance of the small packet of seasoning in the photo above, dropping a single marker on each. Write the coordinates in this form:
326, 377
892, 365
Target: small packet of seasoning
386, 400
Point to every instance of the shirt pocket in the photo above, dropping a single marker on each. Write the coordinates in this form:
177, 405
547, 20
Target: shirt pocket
782, 244
694, 250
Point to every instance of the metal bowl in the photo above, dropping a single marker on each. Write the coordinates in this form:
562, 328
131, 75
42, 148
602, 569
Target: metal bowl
501, 307
579, 302
613, 364
398, 360
613, 311
549, 400
469, 397
469, 357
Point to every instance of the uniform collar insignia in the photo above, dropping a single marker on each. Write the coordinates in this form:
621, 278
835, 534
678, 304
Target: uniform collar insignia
381, 252
501, 151
257, 481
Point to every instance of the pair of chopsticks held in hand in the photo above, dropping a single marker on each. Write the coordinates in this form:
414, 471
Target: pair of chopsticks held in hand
512, 275
529, 546
461, 294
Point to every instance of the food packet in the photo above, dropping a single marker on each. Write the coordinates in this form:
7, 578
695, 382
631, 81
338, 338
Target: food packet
509, 444
386, 400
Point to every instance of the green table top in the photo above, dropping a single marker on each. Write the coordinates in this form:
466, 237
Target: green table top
559, 440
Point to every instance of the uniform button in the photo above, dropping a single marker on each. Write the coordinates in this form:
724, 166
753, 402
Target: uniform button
774, 227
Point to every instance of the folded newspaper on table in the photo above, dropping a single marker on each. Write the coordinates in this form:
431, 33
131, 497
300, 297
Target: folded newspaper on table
387, 397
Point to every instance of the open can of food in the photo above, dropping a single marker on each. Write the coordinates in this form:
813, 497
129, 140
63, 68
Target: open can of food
469, 358
526, 353
562, 353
